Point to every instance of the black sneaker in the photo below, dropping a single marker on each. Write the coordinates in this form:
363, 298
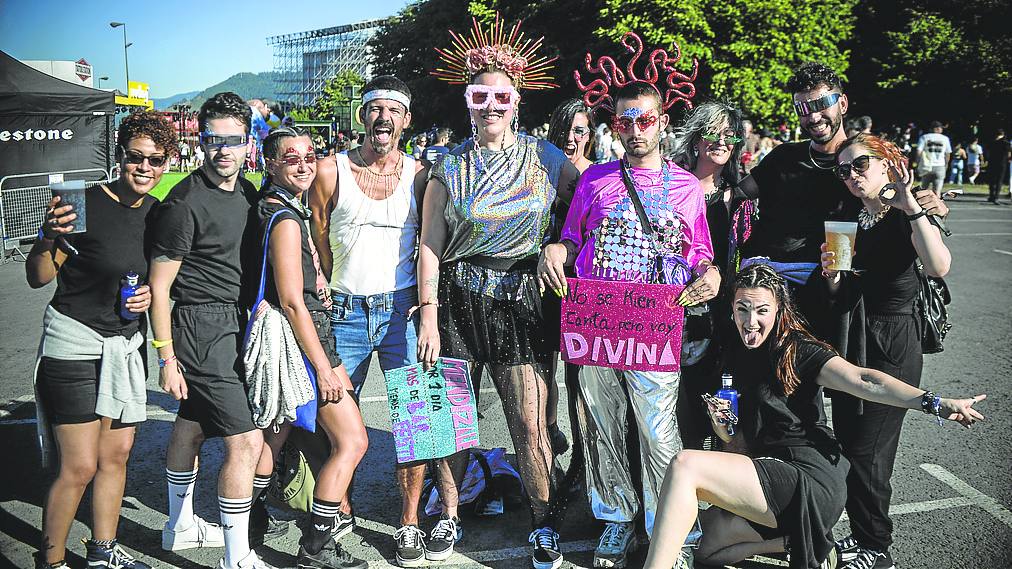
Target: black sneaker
547, 554
332, 556
111, 556
410, 546
560, 444
40, 563
343, 526
446, 532
686, 559
846, 548
870, 559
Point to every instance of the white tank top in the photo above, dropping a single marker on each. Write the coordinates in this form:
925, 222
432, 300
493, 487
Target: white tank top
373, 241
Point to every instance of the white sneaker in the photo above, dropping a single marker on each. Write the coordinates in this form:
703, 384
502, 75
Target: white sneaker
200, 534
251, 561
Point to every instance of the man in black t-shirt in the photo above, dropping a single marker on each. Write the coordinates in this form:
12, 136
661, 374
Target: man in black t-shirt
196, 251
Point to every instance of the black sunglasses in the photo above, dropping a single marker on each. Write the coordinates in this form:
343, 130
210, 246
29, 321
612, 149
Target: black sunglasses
859, 165
134, 157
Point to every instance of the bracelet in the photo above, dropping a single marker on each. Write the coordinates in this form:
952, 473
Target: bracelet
931, 404
157, 344
917, 215
429, 303
162, 362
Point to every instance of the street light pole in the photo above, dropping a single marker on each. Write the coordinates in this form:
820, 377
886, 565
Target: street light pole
126, 60
100, 79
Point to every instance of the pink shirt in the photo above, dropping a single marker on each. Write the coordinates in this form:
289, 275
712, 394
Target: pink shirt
603, 224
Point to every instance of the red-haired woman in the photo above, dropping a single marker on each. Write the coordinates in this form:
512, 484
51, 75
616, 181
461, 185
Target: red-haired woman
90, 378
893, 233
793, 492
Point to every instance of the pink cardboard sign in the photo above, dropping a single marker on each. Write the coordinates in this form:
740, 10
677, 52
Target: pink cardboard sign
622, 325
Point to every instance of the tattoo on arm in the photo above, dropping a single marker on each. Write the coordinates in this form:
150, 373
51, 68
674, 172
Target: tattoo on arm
431, 289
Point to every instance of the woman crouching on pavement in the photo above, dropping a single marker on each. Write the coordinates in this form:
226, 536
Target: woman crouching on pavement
294, 284
90, 376
793, 493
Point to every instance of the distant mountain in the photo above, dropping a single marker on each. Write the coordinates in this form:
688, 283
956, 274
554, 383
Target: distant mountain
246, 85
162, 104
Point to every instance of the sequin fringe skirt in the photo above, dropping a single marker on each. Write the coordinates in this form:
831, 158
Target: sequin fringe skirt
491, 316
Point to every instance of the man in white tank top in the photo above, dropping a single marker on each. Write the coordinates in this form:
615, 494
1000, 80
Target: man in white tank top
365, 224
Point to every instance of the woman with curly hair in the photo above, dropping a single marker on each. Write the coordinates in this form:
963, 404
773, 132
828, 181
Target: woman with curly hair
710, 144
91, 371
893, 233
793, 491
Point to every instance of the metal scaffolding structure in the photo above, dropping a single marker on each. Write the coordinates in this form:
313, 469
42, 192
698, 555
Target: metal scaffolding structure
305, 61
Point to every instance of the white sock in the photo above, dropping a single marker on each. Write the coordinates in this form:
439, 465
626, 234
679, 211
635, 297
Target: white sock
180, 498
235, 523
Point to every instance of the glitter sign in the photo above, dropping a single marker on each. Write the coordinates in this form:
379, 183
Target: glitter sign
432, 412
622, 325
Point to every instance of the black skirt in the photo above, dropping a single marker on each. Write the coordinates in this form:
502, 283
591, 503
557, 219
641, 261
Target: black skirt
492, 315
806, 490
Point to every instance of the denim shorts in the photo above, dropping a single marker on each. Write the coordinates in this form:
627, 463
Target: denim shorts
375, 323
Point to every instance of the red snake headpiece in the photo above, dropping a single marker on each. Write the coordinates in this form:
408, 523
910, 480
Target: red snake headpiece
674, 86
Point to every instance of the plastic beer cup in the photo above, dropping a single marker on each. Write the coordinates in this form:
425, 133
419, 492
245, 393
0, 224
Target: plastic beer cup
71, 192
840, 237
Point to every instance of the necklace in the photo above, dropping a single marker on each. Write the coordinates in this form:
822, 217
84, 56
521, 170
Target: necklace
866, 220
378, 185
816, 163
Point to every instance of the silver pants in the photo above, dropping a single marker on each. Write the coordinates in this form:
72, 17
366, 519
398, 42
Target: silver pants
613, 498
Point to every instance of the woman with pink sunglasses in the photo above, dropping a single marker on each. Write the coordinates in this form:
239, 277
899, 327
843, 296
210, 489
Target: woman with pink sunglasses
488, 210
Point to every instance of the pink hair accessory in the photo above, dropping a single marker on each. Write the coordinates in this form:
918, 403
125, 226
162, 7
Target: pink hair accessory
495, 49
658, 68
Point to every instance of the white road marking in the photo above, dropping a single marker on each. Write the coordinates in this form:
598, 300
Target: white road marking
980, 234
950, 220
1002, 251
987, 503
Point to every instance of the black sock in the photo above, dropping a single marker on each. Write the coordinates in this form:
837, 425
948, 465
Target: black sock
258, 512
322, 519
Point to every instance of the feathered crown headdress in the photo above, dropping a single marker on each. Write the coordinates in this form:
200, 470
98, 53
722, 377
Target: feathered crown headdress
675, 86
495, 50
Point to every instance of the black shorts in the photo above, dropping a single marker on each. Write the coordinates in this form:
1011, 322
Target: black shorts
321, 319
68, 391
207, 339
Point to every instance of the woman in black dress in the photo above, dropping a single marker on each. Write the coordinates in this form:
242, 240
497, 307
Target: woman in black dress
793, 492
893, 233
91, 354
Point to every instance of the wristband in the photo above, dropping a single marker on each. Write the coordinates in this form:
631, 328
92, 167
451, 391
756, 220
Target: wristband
917, 215
166, 361
429, 303
931, 404
156, 344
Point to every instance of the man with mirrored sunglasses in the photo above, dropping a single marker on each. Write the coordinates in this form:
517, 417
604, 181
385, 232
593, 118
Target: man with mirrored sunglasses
798, 189
198, 242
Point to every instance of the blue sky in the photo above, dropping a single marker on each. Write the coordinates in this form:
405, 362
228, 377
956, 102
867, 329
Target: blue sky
178, 45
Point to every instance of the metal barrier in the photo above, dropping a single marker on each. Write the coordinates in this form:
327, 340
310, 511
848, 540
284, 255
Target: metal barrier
22, 210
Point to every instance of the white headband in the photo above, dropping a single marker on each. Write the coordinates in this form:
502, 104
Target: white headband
387, 94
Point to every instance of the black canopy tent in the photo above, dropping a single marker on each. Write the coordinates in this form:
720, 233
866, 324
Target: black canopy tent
49, 128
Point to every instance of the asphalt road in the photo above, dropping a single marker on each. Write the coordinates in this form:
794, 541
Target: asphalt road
952, 487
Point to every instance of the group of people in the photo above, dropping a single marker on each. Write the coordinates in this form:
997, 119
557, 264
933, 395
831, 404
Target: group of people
466, 254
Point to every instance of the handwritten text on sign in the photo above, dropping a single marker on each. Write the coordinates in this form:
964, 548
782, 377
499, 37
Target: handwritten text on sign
432, 413
622, 325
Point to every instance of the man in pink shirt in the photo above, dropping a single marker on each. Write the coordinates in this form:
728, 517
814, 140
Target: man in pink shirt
604, 237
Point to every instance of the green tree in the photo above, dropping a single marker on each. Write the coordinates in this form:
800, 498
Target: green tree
922, 60
747, 48
337, 95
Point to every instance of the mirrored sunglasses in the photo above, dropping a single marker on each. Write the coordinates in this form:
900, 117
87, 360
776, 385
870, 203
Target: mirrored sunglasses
219, 140
816, 105
580, 131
